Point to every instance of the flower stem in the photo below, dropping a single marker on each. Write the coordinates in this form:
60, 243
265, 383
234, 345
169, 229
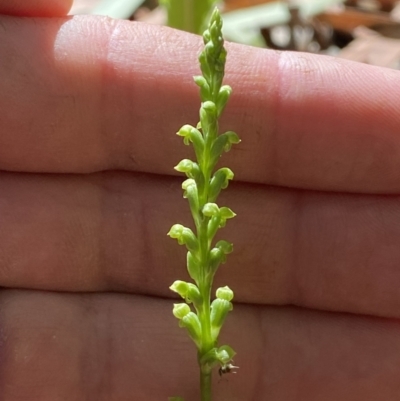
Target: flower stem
205, 385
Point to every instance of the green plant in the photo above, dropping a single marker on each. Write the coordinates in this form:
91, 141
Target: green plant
205, 319
188, 15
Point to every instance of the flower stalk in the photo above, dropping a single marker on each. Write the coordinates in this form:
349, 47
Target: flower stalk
202, 317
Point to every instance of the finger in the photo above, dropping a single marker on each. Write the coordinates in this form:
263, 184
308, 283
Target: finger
99, 94
112, 346
35, 8
107, 232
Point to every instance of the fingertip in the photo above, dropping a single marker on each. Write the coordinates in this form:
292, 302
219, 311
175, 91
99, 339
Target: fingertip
36, 8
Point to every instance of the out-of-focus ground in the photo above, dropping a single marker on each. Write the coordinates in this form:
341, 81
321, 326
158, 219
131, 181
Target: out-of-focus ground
367, 31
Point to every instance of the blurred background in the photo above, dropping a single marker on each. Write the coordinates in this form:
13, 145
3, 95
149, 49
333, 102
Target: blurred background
367, 31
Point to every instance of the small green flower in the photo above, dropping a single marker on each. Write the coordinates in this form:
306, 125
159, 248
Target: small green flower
187, 291
184, 236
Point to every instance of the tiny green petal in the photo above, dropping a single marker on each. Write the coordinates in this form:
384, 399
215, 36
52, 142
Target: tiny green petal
225, 214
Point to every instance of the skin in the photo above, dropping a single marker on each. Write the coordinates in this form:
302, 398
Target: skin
88, 108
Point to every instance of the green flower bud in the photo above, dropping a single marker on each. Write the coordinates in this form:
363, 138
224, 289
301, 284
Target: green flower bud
219, 181
191, 134
215, 20
216, 258
208, 118
225, 214
185, 236
223, 97
218, 254
190, 168
193, 266
206, 36
188, 291
193, 295
192, 323
224, 293
205, 66
210, 209
223, 143
204, 87
210, 50
219, 311
180, 287
218, 217
185, 132
189, 187
225, 246
180, 310
210, 108
212, 227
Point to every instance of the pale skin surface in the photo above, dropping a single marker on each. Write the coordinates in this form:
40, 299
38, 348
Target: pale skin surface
85, 262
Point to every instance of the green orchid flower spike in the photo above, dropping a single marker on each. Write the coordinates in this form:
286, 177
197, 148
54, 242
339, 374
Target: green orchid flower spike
199, 315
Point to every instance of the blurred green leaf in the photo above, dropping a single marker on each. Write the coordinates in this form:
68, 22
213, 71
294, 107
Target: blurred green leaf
120, 9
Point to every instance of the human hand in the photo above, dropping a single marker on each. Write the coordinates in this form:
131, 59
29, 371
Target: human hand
88, 111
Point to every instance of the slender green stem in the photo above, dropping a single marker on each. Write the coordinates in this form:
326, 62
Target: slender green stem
205, 385
207, 343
